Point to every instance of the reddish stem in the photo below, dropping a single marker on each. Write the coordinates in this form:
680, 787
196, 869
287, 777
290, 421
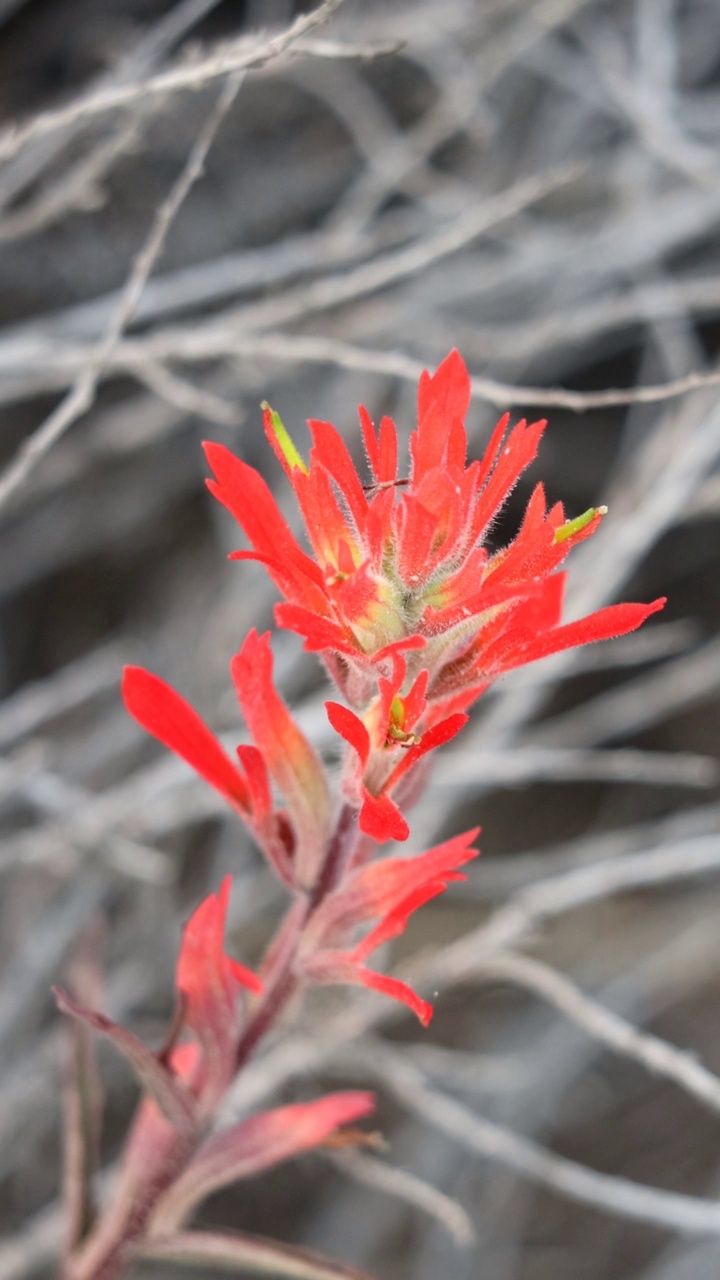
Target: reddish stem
104, 1254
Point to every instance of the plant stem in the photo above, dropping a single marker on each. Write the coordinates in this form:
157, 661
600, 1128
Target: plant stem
103, 1256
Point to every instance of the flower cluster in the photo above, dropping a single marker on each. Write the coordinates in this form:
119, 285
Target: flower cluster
411, 612
414, 616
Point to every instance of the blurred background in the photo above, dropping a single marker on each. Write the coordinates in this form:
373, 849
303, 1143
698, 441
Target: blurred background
196, 216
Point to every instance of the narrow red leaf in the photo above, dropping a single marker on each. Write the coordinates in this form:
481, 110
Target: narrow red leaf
172, 1097
169, 718
255, 1144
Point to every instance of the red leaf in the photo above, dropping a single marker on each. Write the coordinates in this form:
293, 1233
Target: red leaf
172, 1097
253, 1145
170, 719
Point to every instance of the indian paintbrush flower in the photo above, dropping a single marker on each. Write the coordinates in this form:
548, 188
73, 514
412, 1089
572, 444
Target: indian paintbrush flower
414, 615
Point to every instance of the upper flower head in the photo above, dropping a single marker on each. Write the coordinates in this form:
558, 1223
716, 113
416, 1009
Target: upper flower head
413, 613
402, 561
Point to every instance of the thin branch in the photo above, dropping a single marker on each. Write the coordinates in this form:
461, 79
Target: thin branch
566, 892
82, 394
667, 1210
230, 58
501, 394
659, 1057
184, 395
408, 1187
516, 765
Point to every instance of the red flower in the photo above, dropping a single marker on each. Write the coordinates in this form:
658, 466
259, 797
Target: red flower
389, 892
387, 748
406, 558
400, 568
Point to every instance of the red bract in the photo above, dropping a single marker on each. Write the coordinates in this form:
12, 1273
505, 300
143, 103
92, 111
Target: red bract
389, 892
387, 749
208, 982
293, 839
255, 1144
184, 1083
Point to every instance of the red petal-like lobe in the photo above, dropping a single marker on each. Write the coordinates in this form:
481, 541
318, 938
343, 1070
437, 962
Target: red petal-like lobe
489, 457
243, 491
443, 400
331, 451
396, 990
388, 882
293, 764
615, 620
381, 450
351, 728
169, 718
205, 975
519, 452
381, 819
255, 1144
396, 920
449, 386
432, 738
376, 890
319, 633
404, 645
335, 968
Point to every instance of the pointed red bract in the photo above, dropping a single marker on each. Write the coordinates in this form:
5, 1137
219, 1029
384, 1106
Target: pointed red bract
170, 719
291, 761
255, 1144
389, 892
205, 975
209, 983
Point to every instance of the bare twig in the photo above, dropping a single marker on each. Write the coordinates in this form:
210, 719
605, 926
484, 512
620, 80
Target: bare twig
81, 395
655, 1054
229, 59
409, 1188
666, 1210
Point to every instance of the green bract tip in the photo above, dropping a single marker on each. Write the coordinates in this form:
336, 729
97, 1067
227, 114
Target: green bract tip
574, 526
284, 440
